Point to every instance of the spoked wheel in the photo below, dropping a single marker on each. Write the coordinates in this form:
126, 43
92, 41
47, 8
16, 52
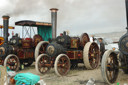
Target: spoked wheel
12, 62
91, 55
109, 67
40, 48
62, 65
42, 64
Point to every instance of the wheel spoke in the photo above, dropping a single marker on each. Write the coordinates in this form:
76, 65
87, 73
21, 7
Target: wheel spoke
62, 65
111, 66
44, 64
93, 55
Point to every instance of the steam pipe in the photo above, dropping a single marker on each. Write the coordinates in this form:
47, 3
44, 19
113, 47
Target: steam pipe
54, 21
5, 24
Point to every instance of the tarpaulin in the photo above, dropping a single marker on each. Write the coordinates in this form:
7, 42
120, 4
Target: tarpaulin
27, 78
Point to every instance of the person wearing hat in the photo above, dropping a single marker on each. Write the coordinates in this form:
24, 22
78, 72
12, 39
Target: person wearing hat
102, 48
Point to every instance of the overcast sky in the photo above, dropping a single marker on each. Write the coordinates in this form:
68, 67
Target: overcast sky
77, 16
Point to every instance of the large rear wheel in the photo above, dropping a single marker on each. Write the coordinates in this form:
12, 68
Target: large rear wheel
84, 38
62, 65
91, 55
40, 48
110, 67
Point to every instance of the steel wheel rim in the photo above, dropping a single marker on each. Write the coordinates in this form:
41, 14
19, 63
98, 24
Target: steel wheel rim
112, 68
12, 63
42, 64
94, 55
63, 65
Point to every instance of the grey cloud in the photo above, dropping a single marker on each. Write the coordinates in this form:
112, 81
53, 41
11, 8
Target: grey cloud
77, 16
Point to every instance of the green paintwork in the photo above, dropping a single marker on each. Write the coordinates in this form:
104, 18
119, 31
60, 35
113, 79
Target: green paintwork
45, 32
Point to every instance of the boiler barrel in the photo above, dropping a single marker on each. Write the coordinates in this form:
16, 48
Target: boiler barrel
5, 23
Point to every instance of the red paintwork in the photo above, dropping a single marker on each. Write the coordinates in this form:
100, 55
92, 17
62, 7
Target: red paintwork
75, 54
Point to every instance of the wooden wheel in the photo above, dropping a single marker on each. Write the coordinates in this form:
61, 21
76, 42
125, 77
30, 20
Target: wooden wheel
84, 39
42, 64
109, 67
62, 65
40, 48
12, 62
91, 55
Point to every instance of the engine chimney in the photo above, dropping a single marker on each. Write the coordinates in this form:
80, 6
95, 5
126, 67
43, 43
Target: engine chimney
54, 21
126, 2
5, 24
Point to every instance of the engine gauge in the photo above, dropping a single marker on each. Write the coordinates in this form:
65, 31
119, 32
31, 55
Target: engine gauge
14, 41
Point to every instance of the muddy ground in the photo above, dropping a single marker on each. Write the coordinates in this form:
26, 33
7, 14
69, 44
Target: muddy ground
77, 76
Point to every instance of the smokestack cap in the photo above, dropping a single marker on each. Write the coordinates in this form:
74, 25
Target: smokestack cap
5, 17
54, 9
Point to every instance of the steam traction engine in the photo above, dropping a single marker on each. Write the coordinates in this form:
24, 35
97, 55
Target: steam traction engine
64, 51
22, 50
110, 62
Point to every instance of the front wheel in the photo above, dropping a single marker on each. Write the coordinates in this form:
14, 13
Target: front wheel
12, 62
42, 64
62, 65
109, 67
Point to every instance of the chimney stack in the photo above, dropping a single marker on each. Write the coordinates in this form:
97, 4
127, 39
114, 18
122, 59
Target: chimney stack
5, 24
54, 21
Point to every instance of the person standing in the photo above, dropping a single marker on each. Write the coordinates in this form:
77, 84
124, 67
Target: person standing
92, 39
102, 48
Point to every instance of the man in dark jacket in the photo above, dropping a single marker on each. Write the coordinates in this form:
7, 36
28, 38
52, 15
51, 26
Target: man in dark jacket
102, 48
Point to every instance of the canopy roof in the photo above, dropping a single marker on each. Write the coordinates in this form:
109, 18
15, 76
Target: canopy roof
10, 27
32, 23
